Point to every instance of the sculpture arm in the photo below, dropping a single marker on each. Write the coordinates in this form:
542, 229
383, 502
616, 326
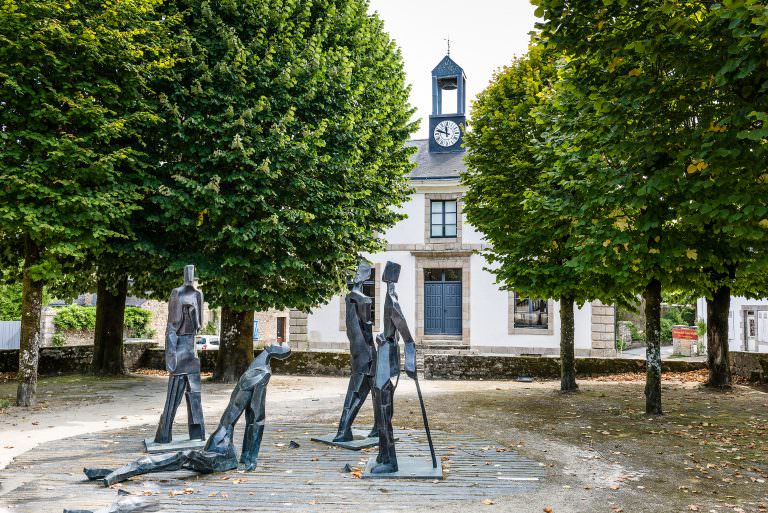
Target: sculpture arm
171, 337
401, 326
200, 303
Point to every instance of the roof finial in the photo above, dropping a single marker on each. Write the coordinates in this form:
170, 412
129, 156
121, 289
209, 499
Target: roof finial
448, 39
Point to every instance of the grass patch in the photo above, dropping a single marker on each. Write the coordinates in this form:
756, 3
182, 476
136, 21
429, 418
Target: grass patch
4, 403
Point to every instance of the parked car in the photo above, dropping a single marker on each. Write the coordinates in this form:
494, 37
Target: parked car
207, 343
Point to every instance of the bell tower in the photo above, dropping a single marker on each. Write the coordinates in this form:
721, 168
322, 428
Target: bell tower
446, 124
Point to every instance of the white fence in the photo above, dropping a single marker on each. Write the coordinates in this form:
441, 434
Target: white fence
10, 334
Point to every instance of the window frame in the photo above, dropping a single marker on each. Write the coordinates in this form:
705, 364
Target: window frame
443, 225
544, 328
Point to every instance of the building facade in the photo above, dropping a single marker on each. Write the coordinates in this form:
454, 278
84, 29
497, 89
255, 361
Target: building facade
747, 323
450, 300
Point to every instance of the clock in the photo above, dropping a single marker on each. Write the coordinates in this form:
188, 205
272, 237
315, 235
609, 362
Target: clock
447, 133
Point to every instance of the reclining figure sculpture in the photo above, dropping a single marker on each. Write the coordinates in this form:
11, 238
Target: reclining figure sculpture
219, 452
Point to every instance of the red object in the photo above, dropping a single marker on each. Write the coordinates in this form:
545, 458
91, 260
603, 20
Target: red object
685, 333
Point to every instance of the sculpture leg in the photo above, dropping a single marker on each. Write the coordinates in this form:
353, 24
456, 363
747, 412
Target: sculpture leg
255, 416
375, 429
358, 389
387, 458
222, 437
176, 386
195, 408
154, 463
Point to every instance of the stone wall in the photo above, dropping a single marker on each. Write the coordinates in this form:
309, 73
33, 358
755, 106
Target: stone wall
297, 330
603, 329
73, 359
268, 325
146, 354
304, 363
438, 366
751, 366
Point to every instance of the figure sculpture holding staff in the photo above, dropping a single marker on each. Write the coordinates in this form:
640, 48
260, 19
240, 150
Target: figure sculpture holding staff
185, 316
387, 369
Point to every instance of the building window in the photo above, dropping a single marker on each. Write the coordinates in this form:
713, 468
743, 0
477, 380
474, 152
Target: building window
369, 289
443, 218
281, 329
531, 313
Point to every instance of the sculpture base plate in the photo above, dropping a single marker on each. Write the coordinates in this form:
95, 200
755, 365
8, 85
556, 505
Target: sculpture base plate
361, 440
179, 443
408, 468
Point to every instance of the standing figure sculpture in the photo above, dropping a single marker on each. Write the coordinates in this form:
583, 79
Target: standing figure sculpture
388, 368
219, 453
363, 354
185, 316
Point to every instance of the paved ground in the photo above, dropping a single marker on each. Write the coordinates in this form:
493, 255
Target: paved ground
600, 453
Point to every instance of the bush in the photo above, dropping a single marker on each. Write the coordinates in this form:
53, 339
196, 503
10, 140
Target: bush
636, 334
675, 315
58, 340
137, 321
10, 302
666, 330
83, 318
209, 329
75, 318
701, 327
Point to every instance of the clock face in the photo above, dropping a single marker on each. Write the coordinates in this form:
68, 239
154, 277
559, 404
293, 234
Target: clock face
447, 133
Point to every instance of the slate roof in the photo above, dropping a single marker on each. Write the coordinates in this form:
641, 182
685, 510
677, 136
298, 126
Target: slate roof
432, 166
447, 67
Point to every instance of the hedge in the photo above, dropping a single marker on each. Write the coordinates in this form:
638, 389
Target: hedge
83, 318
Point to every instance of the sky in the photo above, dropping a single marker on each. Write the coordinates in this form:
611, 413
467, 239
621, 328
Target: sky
485, 35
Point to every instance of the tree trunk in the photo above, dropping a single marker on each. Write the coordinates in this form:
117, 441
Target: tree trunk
717, 338
567, 357
652, 298
235, 346
31, 335
110, 324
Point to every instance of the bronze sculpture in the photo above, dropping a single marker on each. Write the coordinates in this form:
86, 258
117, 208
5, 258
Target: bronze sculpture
387, 369
219, 454
185, 317
362, 354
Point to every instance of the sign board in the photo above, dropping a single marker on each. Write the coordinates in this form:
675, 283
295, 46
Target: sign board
685, 333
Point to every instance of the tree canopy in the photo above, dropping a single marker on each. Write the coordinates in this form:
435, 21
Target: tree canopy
283, 150
73, 108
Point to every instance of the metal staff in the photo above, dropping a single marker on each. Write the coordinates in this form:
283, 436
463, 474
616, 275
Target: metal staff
426, 422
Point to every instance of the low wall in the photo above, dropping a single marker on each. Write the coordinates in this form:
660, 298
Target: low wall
73, 359
76, 359
751, 366
306, 363
440, 366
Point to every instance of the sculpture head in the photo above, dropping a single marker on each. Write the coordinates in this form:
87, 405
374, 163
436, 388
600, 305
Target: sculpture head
391, 273
189, 275
363, 272
279, 351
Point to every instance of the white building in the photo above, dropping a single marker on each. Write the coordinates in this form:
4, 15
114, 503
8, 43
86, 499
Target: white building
747, 323
450, 301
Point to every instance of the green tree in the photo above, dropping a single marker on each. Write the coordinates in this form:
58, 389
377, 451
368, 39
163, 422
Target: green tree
284, 154
515, 199
672, 200
73, 81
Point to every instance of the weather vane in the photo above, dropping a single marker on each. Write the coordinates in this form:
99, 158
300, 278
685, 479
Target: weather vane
448, 39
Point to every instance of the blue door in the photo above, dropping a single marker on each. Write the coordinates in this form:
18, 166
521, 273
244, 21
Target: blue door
442, 302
